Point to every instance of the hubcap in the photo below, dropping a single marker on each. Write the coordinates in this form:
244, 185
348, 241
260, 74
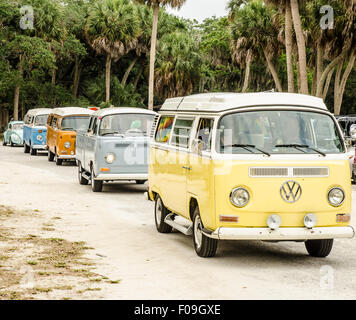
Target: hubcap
158, 212
198, 235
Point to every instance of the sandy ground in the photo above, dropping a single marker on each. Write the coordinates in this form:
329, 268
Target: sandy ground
118, 224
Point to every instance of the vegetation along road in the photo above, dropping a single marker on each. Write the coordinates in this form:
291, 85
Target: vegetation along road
130, 260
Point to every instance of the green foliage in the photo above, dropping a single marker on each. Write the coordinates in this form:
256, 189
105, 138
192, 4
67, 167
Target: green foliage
73, 37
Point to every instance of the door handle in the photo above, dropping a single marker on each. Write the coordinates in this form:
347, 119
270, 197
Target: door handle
187, 168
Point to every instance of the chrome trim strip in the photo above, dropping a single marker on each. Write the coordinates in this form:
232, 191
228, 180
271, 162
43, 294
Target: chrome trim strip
122, 176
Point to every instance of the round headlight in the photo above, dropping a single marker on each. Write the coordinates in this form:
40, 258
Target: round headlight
109, 158
336, 197
67, 145
239, 197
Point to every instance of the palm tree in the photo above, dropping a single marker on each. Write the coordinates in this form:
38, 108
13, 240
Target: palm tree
155, 4
112, 29
179, 61
253, 32
284, 7
144, 16
302, 56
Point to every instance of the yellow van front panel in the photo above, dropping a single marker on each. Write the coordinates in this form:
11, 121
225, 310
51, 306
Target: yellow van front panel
265, 196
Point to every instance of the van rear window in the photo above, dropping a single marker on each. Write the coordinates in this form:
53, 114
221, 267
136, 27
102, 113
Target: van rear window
164, 129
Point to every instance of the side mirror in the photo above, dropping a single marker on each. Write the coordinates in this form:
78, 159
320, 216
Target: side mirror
353, 131
198, 146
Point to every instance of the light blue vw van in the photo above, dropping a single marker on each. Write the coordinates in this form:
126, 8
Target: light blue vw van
115, 147
35, 130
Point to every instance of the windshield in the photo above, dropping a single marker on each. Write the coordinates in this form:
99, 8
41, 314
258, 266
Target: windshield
41, 120
277, 132
17, 126
126, 124
75, 123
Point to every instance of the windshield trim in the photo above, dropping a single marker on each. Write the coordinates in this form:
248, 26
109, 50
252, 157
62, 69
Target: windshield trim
278, 108
72, 116
123, 113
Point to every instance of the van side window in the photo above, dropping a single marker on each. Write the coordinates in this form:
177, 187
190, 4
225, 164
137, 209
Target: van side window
164, 129
181, 132
95, 126
54, 122
49, 120
205, 130
90, 126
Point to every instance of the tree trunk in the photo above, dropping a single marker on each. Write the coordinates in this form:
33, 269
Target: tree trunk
289, 47
54, 72
153, 57
327, 84
302, 58
247, 71
273, 71
138, 76
331, 66
107, 77
127, 73
319, 62
76, 77
340, 84
17, 90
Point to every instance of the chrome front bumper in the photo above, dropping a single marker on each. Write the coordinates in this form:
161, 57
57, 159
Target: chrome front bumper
281, 234
39, 147
67, 157
121, 176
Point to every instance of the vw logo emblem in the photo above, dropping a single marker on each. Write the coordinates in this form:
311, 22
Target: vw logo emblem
291, 191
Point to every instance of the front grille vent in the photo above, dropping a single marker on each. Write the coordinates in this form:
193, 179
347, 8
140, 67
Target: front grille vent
257, 172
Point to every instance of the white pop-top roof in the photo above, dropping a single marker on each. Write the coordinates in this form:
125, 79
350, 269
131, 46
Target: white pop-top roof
109, 111
38, 111
220, 102
71, 111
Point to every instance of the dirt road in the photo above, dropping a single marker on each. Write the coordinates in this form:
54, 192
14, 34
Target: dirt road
118, 223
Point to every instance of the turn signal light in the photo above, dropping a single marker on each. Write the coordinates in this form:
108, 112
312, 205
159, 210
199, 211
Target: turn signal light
104, 169
39, 131
229, 219
344, 217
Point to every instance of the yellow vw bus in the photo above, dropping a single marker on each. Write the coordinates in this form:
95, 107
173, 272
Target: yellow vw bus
254, 166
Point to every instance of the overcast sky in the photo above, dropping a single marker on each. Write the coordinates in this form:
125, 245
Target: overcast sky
201, 9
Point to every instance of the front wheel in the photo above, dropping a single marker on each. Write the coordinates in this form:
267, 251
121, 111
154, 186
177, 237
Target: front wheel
57, 160
96, 185
319, 248
4, 142
83, 181
205, 247
50, 156
33, 152
26, 148
161, 213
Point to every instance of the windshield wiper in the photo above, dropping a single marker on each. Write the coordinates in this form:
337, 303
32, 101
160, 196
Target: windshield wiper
115, 132
298, 146
246, 146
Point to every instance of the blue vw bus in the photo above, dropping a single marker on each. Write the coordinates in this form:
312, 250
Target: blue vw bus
35, 130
